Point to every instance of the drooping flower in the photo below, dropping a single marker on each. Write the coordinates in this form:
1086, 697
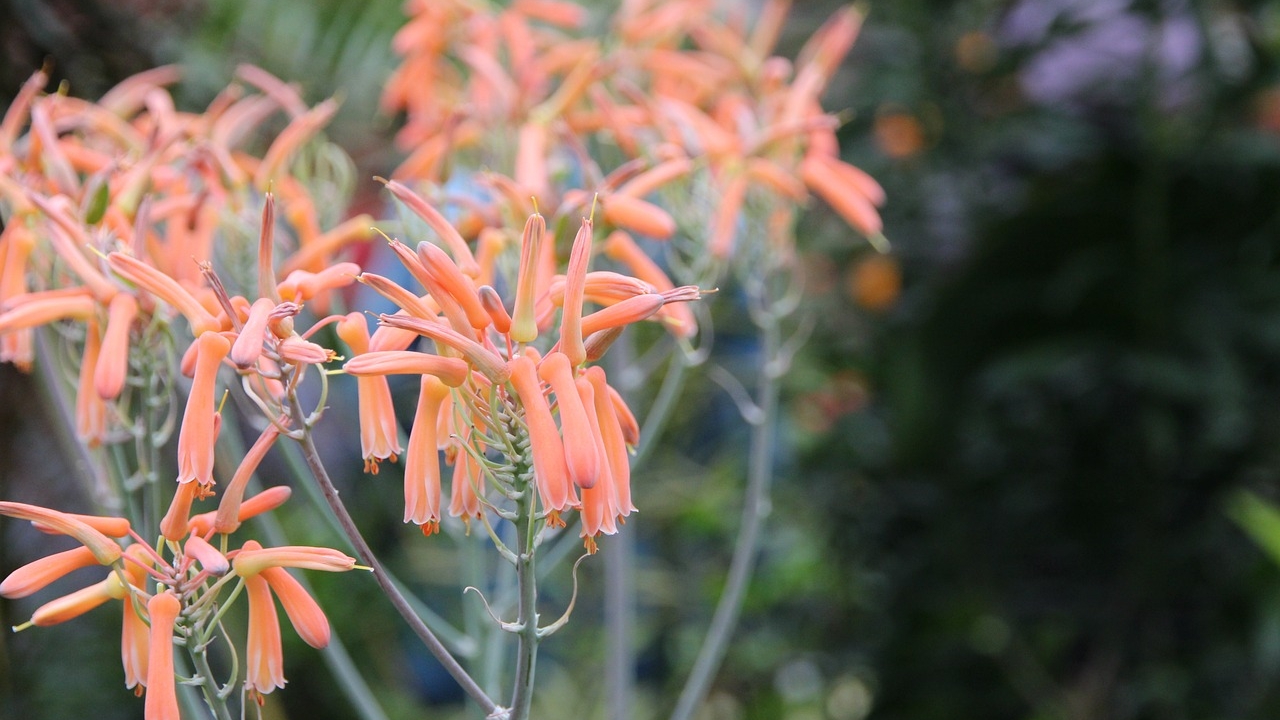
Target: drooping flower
196, 438
262, 570
422, 462
378, 429
162, 695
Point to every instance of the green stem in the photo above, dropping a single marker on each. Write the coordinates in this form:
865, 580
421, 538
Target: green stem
208, 686
398, 601
527, 620
754, 509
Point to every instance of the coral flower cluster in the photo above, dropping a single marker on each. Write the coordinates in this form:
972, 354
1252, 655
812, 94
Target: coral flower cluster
489, 397
161, 253
689, 100
174, 594
114, 214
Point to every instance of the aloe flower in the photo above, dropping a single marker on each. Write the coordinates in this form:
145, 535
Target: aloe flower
262, 571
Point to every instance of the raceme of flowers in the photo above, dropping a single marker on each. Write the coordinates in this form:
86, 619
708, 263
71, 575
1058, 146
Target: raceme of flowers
166, 253
670, 91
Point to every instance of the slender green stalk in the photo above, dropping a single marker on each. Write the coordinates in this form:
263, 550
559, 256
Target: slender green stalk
208, 685
398, 601
527, 619
754, 509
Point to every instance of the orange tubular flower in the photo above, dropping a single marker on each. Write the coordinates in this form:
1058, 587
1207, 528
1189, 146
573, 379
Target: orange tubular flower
262, 570
264, 654
531, 160
248, 344
378, 429
457, 245
253, 559
575, 281
549, 470
39, 309
492, 303
623, 313
600, 501
16, 244
165, 288
162, 696
79, 602
91, 411
174, 524
196, 439
302, 609
639, 215
209, 557
613, 440
301, 286
265, 501
113, 359
523, 325
105, 550
843, 192
422, 461
134, 638
620, 247
38, 574
454, 284
227, 519
484, 359
467, 483
580, 457
451, 371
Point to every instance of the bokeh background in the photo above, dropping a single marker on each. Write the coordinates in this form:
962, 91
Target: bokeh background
1011, 448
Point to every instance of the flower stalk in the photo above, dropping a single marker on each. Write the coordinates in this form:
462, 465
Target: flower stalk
367, 557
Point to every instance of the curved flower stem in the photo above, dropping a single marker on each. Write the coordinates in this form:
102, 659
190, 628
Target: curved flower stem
341, 666
458, 642
398, 601
527, 620
754, 509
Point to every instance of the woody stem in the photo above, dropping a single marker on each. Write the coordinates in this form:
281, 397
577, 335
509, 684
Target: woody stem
398, 601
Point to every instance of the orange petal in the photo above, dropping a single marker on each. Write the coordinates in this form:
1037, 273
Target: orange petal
302, 609
162, 697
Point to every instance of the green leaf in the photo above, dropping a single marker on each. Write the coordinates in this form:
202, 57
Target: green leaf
1259, 518
98, 204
